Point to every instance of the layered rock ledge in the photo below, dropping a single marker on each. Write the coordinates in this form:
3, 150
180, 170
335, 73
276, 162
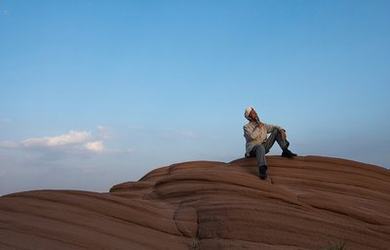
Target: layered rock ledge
308, 202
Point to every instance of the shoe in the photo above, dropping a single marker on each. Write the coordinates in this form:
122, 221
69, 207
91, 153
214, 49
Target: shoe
287, 153
263, 172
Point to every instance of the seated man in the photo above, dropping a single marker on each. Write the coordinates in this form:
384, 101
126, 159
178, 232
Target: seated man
257, 143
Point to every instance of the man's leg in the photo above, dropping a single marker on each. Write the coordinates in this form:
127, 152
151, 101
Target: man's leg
283, 143
259, 152
275, 136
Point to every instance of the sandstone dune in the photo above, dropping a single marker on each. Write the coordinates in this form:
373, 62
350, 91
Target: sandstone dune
308, 202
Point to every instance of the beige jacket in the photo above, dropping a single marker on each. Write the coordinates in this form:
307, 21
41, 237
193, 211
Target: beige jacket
255, 135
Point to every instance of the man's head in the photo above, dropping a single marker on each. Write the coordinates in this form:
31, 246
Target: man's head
250, 114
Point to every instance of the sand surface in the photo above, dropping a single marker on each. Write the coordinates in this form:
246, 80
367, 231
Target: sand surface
309, 202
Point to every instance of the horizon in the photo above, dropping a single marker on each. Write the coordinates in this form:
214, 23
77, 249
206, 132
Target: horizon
96, 93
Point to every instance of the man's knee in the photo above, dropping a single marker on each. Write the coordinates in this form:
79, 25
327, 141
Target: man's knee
259, 149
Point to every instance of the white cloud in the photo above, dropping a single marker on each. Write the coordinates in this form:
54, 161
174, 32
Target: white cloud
95, 146
73, 137
73, 142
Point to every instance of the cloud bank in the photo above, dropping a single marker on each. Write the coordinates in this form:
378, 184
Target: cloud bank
72, 141
71, 138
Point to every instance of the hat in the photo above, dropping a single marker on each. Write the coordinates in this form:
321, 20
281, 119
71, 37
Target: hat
247, 112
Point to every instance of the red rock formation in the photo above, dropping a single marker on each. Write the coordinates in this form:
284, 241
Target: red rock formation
308, 203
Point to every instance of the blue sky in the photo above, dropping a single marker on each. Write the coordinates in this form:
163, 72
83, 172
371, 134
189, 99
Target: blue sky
93, 93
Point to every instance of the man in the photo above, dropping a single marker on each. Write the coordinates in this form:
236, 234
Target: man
257, 143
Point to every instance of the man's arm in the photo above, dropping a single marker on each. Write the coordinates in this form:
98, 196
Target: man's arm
270, 127
251, 133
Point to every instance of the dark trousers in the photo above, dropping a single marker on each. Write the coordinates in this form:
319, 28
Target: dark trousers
259, 151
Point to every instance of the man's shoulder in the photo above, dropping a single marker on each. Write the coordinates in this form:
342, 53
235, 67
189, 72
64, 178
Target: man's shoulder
249, 124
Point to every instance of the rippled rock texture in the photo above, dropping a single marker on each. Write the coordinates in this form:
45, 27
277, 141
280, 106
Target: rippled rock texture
308, 202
